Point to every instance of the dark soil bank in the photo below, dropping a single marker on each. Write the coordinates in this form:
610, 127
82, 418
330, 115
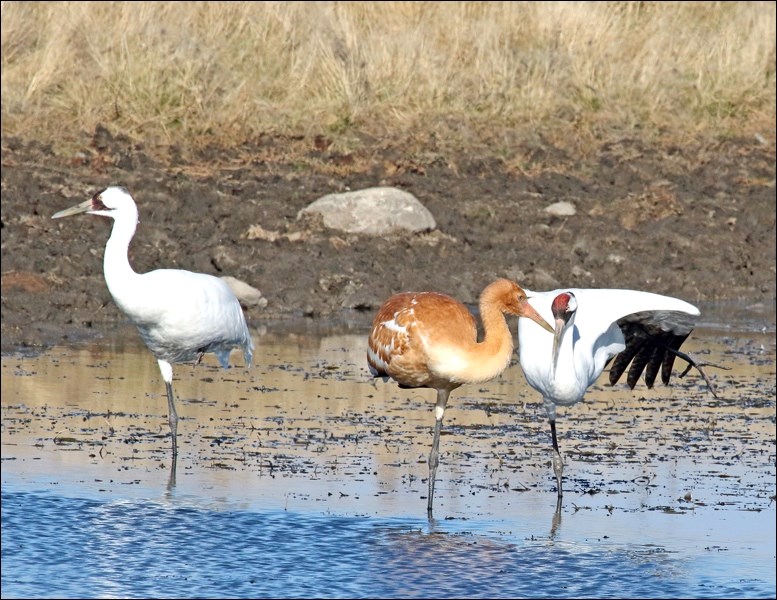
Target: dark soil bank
697, 222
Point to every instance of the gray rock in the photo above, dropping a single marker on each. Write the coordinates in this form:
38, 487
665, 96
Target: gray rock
374, 211
561, 209
246, 294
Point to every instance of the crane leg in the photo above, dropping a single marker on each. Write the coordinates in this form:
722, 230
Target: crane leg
167, 374
558, 464
172, 417
698, 366
434, 455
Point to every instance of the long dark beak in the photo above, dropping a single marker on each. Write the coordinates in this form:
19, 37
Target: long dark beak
557, 334
73, 210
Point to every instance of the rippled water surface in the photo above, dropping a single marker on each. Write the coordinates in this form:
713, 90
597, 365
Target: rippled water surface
303, 478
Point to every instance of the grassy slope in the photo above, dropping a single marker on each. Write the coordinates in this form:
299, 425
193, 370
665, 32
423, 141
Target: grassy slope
463, 74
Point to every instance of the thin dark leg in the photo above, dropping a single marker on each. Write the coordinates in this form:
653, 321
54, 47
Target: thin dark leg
558, 464
698, 366
172, 417
434, 455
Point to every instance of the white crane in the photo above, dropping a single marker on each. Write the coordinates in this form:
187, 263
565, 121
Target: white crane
592, 328
430, 340
180, 315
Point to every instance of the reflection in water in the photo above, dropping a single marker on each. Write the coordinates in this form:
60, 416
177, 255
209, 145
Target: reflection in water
434, 524
309, 409
301, 478
173, 470
556, 523
141, 548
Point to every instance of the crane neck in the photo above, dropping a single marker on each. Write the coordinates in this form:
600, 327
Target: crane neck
496, 348
116, 267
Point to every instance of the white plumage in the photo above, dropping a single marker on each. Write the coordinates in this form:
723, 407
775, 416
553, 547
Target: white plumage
634, 330
180, 315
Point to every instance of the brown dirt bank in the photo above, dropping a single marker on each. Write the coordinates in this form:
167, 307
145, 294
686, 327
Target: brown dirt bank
695, 221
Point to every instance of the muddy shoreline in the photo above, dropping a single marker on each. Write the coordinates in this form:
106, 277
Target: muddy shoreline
696, 222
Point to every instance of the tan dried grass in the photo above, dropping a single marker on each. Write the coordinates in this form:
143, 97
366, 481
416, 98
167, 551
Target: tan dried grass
222, 73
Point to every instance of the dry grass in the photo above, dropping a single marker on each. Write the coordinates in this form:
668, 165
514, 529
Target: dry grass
470, 72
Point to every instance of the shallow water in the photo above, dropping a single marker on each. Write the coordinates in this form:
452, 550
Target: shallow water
303, 478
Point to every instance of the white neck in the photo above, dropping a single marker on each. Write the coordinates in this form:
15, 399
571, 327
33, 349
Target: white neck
568, 387
118, 272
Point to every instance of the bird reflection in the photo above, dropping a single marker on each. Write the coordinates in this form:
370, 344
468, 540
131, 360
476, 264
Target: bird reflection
171, 477
556, 521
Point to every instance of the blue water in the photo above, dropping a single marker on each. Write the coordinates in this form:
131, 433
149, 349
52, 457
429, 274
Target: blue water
56, 546
681, 507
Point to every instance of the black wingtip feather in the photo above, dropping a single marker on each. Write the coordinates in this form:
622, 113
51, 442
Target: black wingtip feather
650, 347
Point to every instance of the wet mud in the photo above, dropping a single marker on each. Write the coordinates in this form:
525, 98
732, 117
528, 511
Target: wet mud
694, 221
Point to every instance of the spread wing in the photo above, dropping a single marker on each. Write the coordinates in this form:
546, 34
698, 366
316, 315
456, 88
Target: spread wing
653, 340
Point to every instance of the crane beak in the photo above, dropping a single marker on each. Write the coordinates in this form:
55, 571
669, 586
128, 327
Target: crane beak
528, 311
73, 210
557, 335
